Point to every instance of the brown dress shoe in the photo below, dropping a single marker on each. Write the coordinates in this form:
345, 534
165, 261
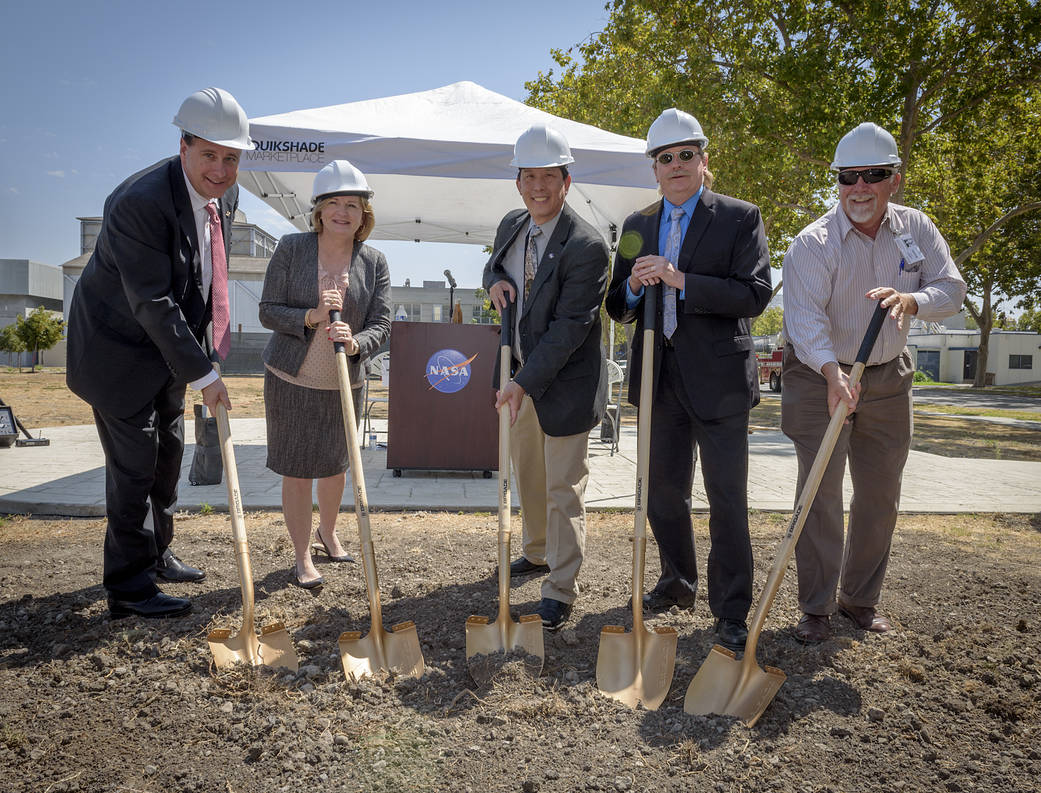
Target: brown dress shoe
813, 628
865, 618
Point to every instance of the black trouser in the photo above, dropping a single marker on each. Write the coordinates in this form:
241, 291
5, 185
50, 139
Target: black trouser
142, 461
676, 435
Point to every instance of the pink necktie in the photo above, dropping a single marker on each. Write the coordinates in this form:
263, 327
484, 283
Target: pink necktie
219, 285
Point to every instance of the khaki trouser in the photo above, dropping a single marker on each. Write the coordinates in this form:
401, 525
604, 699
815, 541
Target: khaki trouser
876, 441
551, 481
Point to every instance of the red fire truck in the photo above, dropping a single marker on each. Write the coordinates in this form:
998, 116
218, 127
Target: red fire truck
770, 368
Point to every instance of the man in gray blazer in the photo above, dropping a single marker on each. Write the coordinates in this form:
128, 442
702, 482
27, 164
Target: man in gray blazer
137, 336
552, 266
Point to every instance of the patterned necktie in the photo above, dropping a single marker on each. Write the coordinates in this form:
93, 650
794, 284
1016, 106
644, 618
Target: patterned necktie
672, 253
531, 259
219, 285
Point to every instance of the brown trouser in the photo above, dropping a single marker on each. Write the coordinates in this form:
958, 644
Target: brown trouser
876, 441
551, 482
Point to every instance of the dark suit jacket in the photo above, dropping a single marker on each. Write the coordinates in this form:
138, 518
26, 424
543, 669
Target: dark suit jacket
559, 330
726, 267
139, 314
291, 288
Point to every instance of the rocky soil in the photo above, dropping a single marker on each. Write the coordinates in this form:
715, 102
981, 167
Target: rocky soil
950, 701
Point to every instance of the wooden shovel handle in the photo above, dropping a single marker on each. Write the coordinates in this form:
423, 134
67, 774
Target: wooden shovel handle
238, 523
643, 450
361, 500
809, 489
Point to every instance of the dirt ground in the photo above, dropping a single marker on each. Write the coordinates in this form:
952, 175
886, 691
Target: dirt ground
950, 701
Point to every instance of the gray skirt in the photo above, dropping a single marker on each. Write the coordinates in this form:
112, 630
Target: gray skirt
305, 437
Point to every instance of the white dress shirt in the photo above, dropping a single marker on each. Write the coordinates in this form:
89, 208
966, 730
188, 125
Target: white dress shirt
831, 265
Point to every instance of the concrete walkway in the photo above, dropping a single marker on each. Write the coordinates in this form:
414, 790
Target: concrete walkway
68, 478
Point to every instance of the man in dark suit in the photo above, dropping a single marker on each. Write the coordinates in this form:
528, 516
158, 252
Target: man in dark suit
552, 265
138, 334
709, 253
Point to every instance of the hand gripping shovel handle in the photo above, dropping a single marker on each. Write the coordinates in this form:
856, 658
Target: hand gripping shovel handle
809, 489
361, 500
643, 450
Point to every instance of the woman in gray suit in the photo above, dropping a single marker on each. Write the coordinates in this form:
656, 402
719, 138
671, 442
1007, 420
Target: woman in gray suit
308, 276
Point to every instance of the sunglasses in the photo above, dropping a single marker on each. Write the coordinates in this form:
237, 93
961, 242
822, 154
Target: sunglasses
685, 156
870, 176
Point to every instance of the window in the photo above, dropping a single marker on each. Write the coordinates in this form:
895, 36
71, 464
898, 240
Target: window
435, 313
1021, 362
408, 311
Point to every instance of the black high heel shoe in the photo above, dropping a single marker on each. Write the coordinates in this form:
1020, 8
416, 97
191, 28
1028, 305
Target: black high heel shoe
321, 546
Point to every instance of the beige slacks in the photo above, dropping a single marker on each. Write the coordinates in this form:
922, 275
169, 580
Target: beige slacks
551, 477
876, 442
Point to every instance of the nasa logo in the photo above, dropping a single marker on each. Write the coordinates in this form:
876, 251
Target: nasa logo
448, 371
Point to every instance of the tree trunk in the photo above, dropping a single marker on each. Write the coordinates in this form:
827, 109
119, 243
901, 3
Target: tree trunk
986, 322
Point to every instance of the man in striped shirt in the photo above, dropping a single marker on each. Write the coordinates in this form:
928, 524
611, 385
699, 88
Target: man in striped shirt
864, 249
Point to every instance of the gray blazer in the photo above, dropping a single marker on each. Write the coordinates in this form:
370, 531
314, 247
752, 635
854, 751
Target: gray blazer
291, 288
559, 329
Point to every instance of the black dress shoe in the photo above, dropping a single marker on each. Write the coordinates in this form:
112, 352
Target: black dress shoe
661, 601
732, 634
314, 583
522, 567
158, 606
554, 614
170, 568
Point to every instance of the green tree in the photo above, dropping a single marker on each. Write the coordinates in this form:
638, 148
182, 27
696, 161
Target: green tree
12, 343
488, 311
1029, 320
769, 322
41, 330
776, 85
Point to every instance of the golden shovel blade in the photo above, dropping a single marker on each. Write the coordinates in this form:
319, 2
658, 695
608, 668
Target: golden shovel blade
634, 668
484, 637
272, 648
398, 651
730, 687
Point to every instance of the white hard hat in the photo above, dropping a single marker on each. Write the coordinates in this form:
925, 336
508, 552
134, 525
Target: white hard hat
541, 146
673, 127
868, 144
213, 114
339, 178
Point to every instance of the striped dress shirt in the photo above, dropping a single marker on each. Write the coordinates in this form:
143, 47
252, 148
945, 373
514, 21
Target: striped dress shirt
831, 265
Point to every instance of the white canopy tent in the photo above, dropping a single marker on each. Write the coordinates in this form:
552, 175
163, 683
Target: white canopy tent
438, 162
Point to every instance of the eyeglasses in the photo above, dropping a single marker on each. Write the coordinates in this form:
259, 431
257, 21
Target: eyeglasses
870, 176
666, 157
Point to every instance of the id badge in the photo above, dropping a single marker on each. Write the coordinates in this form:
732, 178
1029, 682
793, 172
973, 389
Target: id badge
910, 252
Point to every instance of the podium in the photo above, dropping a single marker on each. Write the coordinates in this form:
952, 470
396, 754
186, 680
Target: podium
441, 405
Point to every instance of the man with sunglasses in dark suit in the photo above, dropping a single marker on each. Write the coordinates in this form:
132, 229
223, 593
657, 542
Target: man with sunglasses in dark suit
709, 253
863, 250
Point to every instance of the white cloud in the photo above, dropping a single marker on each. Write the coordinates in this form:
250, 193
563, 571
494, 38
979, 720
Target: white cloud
13, 190
59, 174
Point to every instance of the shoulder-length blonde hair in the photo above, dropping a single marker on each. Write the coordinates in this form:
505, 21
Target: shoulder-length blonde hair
368, 218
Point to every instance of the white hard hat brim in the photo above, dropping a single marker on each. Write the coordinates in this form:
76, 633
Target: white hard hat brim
363, 193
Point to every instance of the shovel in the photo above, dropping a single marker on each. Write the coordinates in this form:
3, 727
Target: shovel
741, 688
397, 651
484, 637
273, 647
637, 667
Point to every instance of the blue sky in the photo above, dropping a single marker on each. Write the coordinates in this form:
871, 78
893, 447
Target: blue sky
88, 90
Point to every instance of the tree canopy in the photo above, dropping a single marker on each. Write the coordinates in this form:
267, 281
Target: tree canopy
775, 85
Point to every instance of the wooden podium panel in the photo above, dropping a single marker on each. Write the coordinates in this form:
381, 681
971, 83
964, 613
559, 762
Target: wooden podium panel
441, 409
